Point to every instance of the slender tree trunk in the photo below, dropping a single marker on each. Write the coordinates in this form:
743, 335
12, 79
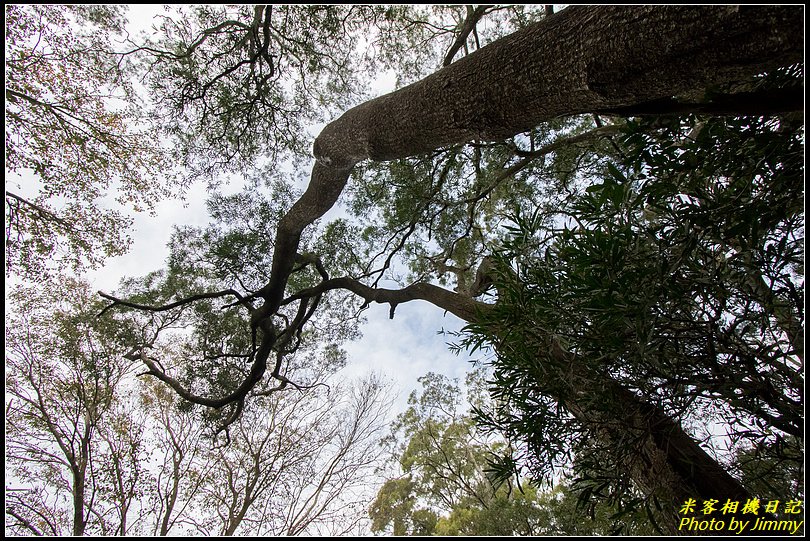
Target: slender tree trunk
79, 522
170, 500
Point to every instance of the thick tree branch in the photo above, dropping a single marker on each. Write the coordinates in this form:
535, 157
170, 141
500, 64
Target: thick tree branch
536, 81
457, 304
557, 66
583, 59
325, 187
257, 371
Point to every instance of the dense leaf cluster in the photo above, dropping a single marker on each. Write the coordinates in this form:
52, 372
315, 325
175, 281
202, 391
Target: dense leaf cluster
680, 275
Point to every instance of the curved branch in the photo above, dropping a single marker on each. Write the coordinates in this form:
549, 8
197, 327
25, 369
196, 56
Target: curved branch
542, 73
457, 304
255, 375
324, 188
232, 418
528, 157
27, 523
201, 38
45, 213
429, 114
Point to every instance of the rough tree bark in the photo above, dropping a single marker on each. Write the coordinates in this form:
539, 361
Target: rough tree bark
662, 459
583, 59
619, 59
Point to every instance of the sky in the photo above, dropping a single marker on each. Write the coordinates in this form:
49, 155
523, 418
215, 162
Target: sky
401, 349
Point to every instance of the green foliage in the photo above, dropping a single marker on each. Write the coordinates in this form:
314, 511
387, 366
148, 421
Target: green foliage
447, 488
774, 468
209, 343
443, 461
394, 507
678, 275
412, 40
238, 85
440, 213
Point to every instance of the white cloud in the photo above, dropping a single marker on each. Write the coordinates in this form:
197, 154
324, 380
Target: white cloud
407, 347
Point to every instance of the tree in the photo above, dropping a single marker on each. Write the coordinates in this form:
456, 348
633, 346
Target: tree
64, 420
776, 469
82, 452
233, 86
446, 487
75, 135
442, 464
606, 60
651, 286
172, 498
336, 156
298, 465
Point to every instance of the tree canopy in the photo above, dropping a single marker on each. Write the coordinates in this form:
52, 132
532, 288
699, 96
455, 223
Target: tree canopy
76, 140
445, 483
675, 277
607, 195
93, 452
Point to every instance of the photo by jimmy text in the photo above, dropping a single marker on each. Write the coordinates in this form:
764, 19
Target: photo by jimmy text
734, 518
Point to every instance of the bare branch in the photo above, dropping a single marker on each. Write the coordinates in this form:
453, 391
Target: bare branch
460, 305
43, 212
213, 295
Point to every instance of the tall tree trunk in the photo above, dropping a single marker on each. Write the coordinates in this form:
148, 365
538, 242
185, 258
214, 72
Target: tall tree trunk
79, 522
662, 460
583, 59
